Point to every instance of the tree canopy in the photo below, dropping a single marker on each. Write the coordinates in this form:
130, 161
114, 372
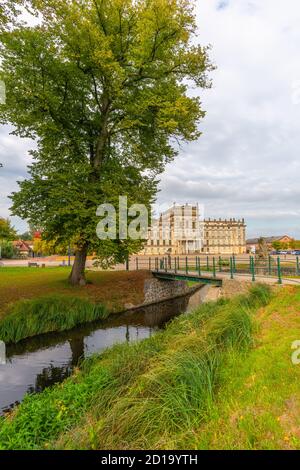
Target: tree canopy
102, 87
7, 231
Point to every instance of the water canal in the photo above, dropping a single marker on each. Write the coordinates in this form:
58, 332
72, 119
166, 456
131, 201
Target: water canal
37, 363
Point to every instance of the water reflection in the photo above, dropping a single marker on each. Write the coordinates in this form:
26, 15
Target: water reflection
40, 362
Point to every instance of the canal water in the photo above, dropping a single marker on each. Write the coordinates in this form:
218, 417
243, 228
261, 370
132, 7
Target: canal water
36, 363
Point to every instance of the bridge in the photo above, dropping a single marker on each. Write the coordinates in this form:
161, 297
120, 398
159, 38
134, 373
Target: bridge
172, 276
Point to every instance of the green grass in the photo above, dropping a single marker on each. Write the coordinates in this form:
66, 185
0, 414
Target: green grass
111, 288
258, 404
152, 394
46, 314
35, 301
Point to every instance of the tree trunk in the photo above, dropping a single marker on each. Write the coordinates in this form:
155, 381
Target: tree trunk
77, 276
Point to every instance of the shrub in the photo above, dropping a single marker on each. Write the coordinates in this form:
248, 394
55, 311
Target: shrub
8, 251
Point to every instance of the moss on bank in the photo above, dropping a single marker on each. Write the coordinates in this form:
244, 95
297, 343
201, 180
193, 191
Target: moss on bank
152, 394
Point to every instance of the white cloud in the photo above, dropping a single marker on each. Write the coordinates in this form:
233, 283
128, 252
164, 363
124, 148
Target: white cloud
247, 161
14, 158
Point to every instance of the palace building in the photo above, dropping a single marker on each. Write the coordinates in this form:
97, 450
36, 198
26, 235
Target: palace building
183, 230
224, 236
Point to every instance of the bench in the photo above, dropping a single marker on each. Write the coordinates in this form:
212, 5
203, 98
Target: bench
33, 265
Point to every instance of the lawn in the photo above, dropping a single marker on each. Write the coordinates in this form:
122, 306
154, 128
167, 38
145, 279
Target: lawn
113, 289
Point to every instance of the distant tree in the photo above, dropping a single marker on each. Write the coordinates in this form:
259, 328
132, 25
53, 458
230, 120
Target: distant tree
285, 245
102, 86
294, 245
262, 250
7, 231
8, 251
276, 245
26, 236
44, 247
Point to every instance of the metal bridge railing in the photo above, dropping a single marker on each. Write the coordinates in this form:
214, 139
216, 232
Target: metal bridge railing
213, 265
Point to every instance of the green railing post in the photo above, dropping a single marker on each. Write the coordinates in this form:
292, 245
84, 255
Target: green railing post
214, 267
178, 263
149, 264
127, 263
220, 264
196, 263
270, 265
279, 270
175, 264
186, 265
137, 263
252, 268
156, 263
166, 264
297, 266
234, 263
231, 268
199, 266
207, 263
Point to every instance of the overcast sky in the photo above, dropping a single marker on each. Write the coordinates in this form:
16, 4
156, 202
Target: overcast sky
246, 163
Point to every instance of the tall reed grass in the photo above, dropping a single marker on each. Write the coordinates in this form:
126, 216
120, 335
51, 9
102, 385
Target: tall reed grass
47, 314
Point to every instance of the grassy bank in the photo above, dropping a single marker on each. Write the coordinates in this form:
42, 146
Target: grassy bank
35, 301
110, 288
46, 314
154, 394
258, 405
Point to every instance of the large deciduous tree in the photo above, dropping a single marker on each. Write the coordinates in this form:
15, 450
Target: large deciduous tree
102, 87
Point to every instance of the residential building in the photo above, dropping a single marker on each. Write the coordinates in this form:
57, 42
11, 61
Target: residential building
24, 248
252, 243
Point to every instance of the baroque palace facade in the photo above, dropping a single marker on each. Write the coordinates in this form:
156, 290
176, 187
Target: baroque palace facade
181, 230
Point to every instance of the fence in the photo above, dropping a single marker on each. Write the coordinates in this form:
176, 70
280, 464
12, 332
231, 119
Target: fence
210, 265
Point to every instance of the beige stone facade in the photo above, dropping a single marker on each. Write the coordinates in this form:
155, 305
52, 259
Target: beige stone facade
182, 230
224, 236
177, 231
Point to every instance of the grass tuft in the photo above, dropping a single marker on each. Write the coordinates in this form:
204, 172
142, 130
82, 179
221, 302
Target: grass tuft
46, 314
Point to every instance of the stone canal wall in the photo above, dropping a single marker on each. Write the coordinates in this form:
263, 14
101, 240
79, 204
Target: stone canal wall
156, 290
